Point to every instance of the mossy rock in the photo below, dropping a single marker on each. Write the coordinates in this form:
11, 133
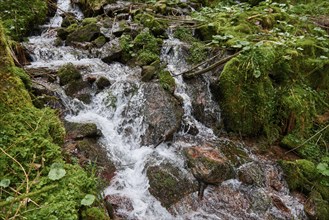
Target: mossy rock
205, 32
208, 165
92, 7
168, 184
146, 57
100, 41
85, 33
91, 20
68, 73
252, 174
68, 20
247, 96
297, 174
81, 130
158, 28
234, 152
197, 53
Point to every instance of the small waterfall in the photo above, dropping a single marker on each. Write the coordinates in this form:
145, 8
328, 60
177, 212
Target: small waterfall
118, 113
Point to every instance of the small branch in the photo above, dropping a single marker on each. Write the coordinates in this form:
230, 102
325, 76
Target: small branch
27, 195
308, 139
19, 164
190, 74
198, 65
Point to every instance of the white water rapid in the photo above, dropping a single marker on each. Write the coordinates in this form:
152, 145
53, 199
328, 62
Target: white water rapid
118, 113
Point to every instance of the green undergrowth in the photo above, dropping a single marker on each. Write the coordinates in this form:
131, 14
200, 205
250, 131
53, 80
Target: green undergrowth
35, 182
21, 16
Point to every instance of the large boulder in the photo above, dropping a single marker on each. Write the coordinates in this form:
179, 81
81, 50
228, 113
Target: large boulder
162, 113
85, 33
208, 165
81, 142
168, 184
78, 131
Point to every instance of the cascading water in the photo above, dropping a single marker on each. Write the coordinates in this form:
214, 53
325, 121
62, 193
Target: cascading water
118, 113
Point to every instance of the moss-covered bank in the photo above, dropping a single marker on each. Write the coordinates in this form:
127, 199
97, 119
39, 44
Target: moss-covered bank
35, 181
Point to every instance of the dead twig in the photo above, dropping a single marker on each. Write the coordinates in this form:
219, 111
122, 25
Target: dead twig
190, 73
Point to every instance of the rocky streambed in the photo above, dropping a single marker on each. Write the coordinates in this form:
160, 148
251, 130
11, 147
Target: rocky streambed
156, 138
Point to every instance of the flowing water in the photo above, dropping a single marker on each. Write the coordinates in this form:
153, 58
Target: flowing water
118, 113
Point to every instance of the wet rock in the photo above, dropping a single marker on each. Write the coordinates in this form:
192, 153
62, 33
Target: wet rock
168, 184
148, 72
90, 151
85, 33
120, 205
81, 142
260, 201
102, 83
208, 165
163, 115
205, 109
110, 51
42, 72
190, 128
116, 8
78, 131
279, 204
76, 88
251, 174
234, 152
91, 79
118, 28
68, 73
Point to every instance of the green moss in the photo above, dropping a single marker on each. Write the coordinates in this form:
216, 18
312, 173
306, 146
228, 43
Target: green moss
145, 48
248, 97
156, 27
145, 57
68, 73
167, 81
321, 206
294, 173
23, 76
94, 214
305, 150
91, 20
184, 34
100, 41
85, 33
197, 53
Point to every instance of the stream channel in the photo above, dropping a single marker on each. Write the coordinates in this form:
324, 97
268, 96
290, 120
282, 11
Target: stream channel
134, 117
